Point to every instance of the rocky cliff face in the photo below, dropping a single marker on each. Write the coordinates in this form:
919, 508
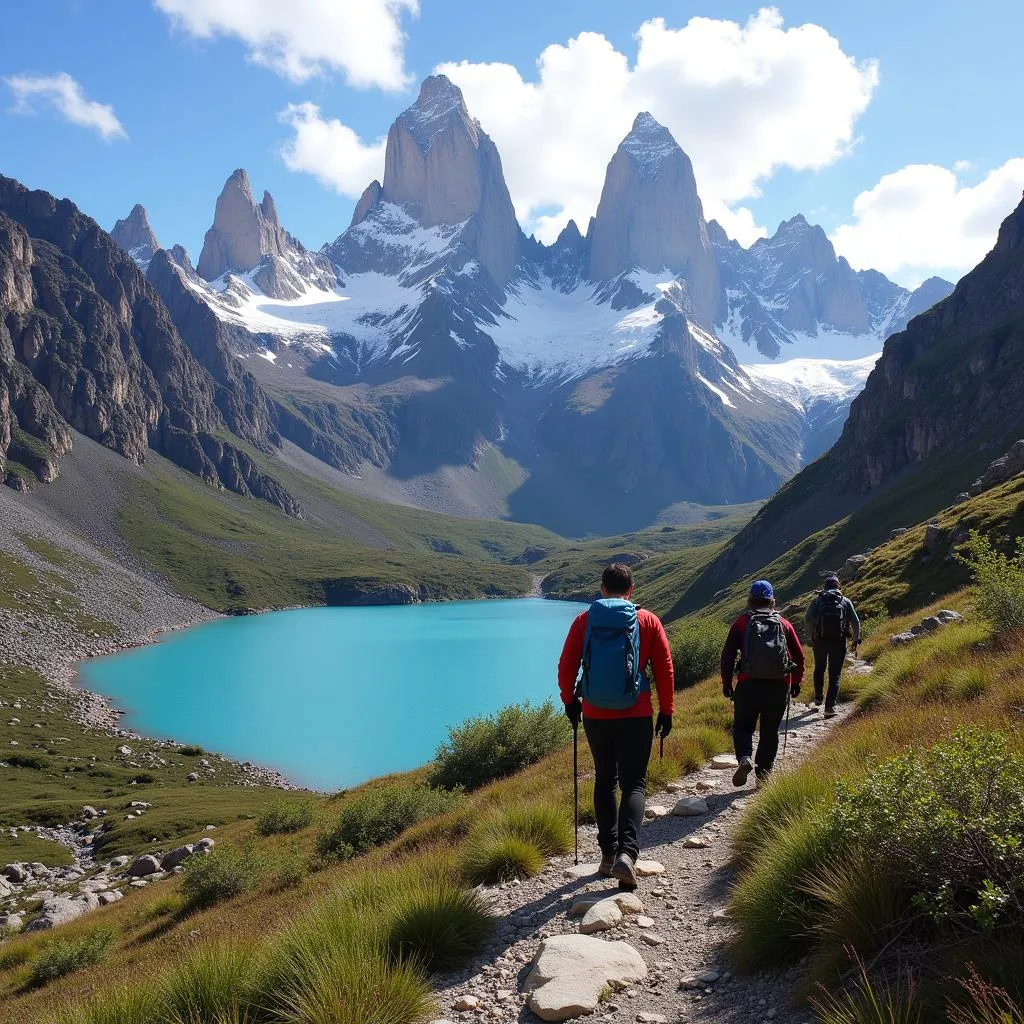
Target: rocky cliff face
942, 399
650, 216
95, 337
443, 169
135, 236
247, 237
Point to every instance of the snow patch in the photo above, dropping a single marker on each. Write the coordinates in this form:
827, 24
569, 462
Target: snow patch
802, 382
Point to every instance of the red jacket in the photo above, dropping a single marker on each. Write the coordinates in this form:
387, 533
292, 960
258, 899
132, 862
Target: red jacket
734, 646
654, 650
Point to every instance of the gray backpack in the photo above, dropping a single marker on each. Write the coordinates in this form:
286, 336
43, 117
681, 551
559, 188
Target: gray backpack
765, 649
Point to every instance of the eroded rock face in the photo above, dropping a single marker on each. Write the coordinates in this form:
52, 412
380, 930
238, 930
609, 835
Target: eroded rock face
651, 217
242, 233
135, 236
444, 169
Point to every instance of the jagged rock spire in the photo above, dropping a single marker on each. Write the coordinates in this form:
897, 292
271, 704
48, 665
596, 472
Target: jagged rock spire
651, 217
135, 236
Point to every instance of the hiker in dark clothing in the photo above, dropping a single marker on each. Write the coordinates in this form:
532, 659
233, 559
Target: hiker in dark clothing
771, 669
614, 642
831, 620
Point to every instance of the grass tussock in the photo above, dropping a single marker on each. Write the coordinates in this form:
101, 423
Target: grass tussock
514, 843
215, 983
482, 750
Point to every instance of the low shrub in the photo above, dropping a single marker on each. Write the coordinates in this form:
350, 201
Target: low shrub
1000, 581
191, 750
481, 750
37, 764
226, 872
378, 815
439, 926
290, 871
66, 955
284, 816
15, 956
697, 649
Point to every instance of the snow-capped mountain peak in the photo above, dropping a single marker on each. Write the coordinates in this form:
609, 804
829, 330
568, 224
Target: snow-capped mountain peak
649, 143
439, 104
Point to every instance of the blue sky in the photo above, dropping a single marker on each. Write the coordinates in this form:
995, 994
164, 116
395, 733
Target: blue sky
930, 136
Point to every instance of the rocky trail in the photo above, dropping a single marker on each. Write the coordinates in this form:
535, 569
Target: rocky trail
658, 955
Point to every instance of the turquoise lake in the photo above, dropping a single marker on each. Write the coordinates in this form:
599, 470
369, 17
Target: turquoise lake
334, 696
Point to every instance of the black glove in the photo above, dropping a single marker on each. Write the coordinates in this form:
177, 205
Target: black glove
795, 690
727, 691
663, 726
574, 712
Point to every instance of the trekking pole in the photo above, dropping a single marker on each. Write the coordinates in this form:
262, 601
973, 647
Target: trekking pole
576, 789
785, 736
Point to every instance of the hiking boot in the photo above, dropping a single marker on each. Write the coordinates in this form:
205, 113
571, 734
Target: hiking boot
761, 776
624, 870
739, 778
604, 869
830, 712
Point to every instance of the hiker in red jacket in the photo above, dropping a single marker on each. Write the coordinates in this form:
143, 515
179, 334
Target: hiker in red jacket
771, 670
614, 642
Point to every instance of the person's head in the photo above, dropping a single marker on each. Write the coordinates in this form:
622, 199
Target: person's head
832, 582
761, 595
617, 580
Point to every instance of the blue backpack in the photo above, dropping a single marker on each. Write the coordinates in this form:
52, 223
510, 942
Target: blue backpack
613, 677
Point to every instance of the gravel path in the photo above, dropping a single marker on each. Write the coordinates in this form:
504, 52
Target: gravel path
678, 909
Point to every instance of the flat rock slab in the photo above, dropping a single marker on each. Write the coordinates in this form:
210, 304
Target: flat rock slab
647, 868
571, 971
600, 917
722, 762
60, 910
581, 870
690, 806
652, 938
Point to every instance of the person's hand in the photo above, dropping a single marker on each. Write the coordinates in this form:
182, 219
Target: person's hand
794, 690
663, 726
574, 712
727, 691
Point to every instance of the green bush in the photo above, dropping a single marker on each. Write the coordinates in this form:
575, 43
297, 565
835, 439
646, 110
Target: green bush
439, 926
378, 815
697, 650
284, 816
64, 956
1000, 581
226, 872
481, 750
191, 750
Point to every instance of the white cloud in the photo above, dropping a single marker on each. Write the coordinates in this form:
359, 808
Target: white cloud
302, 38
330, 150
920, 220
65, 95
742, 100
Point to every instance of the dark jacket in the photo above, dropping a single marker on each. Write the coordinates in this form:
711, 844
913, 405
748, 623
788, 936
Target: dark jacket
852, 620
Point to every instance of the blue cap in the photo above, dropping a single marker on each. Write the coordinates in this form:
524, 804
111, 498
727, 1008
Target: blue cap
762, 590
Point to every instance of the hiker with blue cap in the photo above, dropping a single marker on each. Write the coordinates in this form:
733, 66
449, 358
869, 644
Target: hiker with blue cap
771, 668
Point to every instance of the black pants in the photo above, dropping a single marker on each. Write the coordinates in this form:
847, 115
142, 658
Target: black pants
621, 748
830, 654
764, 701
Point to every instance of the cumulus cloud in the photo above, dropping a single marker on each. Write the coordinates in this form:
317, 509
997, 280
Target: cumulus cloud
330, 150
921, 220
303, 38
742, 100
65, 95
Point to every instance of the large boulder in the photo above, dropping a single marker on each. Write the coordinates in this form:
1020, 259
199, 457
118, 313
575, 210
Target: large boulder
570, 972
60, 910
147, 864
16, 873
998, 472
176, 856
